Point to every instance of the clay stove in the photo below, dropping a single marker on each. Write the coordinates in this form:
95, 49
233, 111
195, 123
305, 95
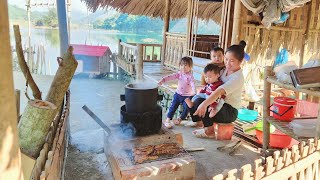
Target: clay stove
121, 160
142, 115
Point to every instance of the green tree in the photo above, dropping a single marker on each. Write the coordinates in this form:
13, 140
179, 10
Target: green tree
51, 18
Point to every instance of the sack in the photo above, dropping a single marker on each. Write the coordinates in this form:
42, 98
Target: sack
283, 71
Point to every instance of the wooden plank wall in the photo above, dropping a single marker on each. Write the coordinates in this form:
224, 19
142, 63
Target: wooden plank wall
263, 44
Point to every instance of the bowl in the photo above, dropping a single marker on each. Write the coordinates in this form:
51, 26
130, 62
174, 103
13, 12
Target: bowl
277, 139
247, 115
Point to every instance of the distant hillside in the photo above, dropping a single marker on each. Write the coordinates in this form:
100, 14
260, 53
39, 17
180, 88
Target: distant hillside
20, 14
142, 24
110, 20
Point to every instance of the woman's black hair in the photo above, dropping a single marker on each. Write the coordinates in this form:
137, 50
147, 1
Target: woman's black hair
242, 43
216, 49
187, 60
238, 50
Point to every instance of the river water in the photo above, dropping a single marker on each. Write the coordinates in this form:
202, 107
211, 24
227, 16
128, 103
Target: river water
50, 39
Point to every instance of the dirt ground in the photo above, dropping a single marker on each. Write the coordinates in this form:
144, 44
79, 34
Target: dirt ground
86, 165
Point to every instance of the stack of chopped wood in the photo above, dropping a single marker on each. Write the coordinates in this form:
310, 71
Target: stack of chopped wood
152, 152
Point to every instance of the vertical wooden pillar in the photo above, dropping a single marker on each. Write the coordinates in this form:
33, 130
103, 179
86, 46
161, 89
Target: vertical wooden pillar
10, 162
115, 74
227, 23
17, 95
120, 48
69, 18
306, 34
236, 22
63, 28
266, 105
189, 26
165, 30
139, 63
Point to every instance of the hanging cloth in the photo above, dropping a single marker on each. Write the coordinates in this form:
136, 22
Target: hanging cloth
272, 9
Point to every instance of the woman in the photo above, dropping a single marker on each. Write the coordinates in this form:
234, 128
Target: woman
233, 80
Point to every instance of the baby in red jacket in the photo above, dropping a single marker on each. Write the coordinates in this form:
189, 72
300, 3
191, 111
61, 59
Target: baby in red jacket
212, 74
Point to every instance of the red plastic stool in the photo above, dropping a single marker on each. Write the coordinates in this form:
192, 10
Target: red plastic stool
223, 131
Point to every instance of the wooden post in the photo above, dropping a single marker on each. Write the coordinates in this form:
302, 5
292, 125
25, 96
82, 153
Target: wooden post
62, 79
266, 105
29, 34
139, 63
120, 73
23, 65
120, 48
165, 30
189, 25
236, 22
63, 29
10, 162
69, 18
306, 34
34, 126
115, 74
17, 95
222, 21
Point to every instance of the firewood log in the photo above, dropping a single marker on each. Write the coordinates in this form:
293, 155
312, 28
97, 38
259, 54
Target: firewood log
34, 126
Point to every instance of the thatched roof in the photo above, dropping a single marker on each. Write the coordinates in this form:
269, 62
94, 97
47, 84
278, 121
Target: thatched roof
155, 8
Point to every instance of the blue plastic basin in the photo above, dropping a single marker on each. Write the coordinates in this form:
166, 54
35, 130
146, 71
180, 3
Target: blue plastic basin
247, 115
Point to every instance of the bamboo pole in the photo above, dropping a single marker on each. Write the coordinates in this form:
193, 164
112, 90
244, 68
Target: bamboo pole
236, 22
24, 67
17, 96
229, 24
10, 162
139, 63
222, 23
69, 18
278, 28
29, 33
120, 48
165, 30
305, 35
189, 25
266, 105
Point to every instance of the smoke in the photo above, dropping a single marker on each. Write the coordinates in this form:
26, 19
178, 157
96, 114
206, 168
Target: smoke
142, 84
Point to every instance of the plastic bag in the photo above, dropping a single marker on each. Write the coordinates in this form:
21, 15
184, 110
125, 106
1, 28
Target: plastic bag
250, 93
304, 128
283, 71
312, 63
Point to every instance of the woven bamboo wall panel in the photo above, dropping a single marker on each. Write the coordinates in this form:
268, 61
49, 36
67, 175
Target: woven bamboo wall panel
313, 42
295, 35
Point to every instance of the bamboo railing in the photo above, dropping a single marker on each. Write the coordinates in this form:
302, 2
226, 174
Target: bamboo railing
131, 56
126, 58
301, 162
175, 50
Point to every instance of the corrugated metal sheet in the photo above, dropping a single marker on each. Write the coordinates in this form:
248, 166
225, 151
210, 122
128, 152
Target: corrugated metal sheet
87, 50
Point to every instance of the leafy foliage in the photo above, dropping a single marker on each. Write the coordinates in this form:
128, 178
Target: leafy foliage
51, 18
130, 23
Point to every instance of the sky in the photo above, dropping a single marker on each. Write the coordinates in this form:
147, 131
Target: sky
76, 5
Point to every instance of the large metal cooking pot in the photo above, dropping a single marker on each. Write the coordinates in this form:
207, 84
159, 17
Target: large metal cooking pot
141, 97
